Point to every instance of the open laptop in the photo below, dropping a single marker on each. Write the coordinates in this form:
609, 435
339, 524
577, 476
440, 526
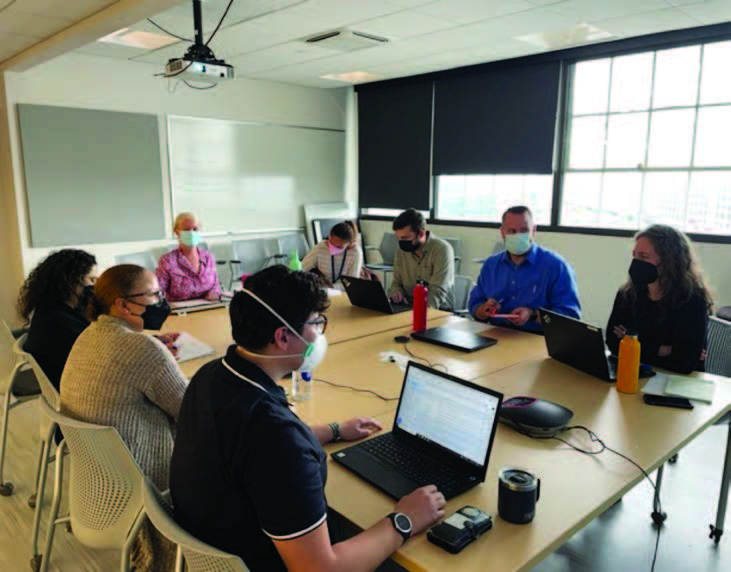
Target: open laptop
442, 435
580, 345
454, 338
369, 294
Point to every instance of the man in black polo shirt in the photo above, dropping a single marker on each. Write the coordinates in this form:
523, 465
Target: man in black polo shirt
247, 475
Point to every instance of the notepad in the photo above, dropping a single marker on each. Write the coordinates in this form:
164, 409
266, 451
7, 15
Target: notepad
191, 348
697, 389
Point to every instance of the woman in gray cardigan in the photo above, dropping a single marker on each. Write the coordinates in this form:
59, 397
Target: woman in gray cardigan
119, 376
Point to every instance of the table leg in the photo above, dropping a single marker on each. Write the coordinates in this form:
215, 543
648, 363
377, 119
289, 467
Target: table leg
717, 530
657, 515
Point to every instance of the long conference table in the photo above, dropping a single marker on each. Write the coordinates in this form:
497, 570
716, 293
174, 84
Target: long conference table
575, 488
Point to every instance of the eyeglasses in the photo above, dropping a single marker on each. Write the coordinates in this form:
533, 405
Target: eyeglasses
320, 323
156, 294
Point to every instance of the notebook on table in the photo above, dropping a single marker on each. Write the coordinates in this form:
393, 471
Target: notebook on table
369, 294
442, 435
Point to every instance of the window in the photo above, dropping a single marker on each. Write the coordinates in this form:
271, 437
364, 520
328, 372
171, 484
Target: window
484, 198
649, 141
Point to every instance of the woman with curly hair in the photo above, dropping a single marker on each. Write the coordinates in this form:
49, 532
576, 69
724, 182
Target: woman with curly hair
666, 302
54, 299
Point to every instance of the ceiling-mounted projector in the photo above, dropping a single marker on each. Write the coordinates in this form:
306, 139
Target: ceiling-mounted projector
199, 63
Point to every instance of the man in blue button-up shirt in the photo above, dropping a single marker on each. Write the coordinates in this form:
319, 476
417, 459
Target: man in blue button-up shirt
523, 278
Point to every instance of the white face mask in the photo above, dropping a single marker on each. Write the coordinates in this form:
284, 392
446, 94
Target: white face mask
314, 351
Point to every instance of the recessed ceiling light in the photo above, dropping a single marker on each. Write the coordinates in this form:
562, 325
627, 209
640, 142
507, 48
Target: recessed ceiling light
580, 34
351, 77
138, 39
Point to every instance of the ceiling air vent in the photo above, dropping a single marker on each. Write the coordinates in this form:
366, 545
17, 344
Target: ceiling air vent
345, 40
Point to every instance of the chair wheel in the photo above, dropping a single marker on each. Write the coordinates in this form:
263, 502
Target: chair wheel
6, 489
659, 517
35, 563
32, 501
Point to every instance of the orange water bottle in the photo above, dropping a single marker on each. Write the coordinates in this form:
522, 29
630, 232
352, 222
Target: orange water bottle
418, 315
628, 368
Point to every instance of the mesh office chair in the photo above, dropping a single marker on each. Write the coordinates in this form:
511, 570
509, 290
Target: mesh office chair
18, 384
462, 288
145, 259
105, 489
718, 360
456, 244
289, 243
199, 556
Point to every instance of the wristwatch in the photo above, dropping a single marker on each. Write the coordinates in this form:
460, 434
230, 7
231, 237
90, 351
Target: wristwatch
534, 315
401, 523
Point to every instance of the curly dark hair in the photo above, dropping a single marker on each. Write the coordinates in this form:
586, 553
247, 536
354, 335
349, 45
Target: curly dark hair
681, 277
54, 280
293, 295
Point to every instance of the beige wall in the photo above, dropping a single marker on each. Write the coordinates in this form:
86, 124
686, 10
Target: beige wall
600, 262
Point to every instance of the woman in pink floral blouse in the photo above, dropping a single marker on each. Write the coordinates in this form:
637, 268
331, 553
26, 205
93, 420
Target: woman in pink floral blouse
188, 272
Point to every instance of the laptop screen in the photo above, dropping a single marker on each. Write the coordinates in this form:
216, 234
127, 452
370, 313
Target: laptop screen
438, 409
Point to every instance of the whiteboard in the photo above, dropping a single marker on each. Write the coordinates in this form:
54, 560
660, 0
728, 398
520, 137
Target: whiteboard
251, 176
91, 176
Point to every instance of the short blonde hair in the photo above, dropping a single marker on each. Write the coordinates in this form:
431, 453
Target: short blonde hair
181, 217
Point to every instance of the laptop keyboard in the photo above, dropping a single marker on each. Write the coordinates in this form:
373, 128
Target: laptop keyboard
415, 464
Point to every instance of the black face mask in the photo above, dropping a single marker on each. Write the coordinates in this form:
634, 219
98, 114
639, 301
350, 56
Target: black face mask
408, 246
85, 296
642, 273
155, 315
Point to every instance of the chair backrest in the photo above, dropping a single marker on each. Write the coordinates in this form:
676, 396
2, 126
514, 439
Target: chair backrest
456, 244
105, 489
724, 312
144, 259
253, 254
718, 360
8, 359
462, 287
199, 556
50, 394
388, 247
290, 242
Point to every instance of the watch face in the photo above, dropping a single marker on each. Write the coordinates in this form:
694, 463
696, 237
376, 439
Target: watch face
402, 522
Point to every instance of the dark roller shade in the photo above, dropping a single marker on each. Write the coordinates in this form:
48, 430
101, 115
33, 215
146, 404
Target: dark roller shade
394, 146
501, 121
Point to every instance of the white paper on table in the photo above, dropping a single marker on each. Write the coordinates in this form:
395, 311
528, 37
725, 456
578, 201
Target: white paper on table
181, 304
332, 292
191, 348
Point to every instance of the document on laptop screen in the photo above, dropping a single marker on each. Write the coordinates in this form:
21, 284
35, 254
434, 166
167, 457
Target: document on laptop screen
454, 416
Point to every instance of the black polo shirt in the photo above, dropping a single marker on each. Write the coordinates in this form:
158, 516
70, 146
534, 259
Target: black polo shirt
245, 469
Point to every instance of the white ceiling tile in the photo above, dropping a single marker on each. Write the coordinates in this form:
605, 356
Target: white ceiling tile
321, 15
76, 10
247, 37
12, 20
547, 2
712, 12
106, 50
591, 10
690, 2
649, 23
468, 11
278, 56
10, 44
404, 25
409, 3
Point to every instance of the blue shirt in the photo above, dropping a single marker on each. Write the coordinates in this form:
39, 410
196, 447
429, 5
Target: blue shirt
543, 280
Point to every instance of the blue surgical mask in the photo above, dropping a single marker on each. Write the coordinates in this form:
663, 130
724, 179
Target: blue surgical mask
190, 237
518, 244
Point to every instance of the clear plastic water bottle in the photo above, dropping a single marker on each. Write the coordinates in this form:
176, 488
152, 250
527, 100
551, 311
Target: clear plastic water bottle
301, 385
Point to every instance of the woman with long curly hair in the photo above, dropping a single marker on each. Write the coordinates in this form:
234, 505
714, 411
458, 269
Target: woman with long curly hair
54, 299
666, 302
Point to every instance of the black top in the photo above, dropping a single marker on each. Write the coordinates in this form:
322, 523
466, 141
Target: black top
683, 328
52, 334
245, 469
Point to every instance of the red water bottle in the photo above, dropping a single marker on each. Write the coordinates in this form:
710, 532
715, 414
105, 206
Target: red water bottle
418, 316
